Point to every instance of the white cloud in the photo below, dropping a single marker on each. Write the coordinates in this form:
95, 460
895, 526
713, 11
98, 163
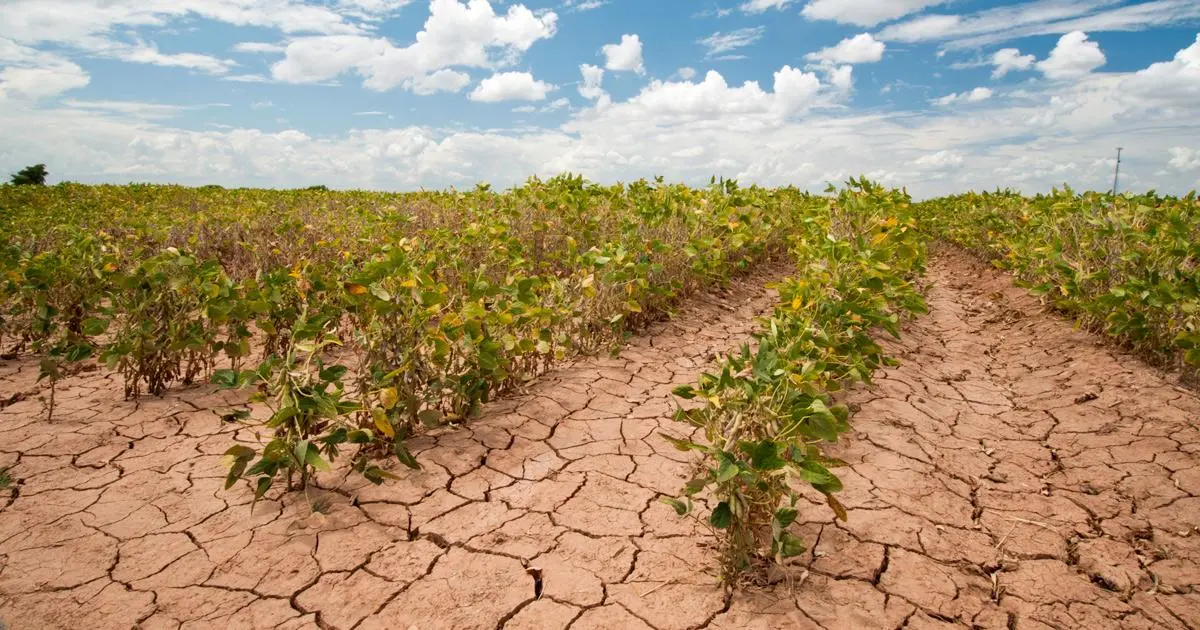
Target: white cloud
41, 82
1049, 132
719, 43
455, 34
841, 78
686, 73
259, 47
713, 98
864, 13
576, 6
510, 86
862, 48
369, 113
760, 6
973, 96
138, 109
1184, 159
553, 106
1040, 17
1074, 56
593, 77
1008, 60
33, 74
626, 55
148, 53
443, 80
1174, 83
372, 9
941, 160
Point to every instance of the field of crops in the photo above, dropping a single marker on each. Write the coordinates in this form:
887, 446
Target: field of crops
352, 324
1127, 266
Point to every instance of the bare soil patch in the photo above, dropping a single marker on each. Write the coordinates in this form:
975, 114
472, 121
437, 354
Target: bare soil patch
1011, 473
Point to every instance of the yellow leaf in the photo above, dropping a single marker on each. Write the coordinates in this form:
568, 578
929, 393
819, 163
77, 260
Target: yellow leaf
796, 303
388, 397
355, 289
382, 423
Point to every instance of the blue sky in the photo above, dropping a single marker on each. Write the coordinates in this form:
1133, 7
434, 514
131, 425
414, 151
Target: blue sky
937, 95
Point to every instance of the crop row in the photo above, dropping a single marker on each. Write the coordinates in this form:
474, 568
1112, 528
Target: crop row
767, 410
360, 317
1127, 266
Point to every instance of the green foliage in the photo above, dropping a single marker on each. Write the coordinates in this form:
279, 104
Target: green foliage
30, 176
766, 410
6, 480
434, 302
1127, 266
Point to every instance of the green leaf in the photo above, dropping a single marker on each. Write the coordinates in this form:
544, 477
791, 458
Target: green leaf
695, 485
404, 456
239, 452
313, 458
681, 444
681, 508
785, 516
764, 455
94, 326
787, 546
727, 469
430, 417
261, 486
722, 516
226, 379
684, 391
333, 373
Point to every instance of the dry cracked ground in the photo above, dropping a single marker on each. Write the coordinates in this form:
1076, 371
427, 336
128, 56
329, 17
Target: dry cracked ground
1010, 473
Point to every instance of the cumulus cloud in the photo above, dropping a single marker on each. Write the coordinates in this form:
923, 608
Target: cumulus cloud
862, 13
841, 78
32, 74
684, 129
862, 48
510, 86
593, 77
1184, 159
1169, 83
1008, 60
686, 73
454, 35
794, 91
1074, 56
624, 56
973, 96
940, 160
443, 80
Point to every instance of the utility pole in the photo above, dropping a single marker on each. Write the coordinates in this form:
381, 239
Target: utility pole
1117, 172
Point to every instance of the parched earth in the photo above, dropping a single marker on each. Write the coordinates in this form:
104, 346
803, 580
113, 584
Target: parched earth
1010, 473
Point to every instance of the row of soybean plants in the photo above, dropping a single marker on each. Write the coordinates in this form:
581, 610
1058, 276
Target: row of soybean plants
767, 410
1126, 265
360, 317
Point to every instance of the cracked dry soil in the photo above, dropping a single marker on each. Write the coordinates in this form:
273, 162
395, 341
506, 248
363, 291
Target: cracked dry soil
1010, 473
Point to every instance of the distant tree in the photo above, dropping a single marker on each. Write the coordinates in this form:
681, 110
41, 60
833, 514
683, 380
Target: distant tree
319, 187
30, 176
